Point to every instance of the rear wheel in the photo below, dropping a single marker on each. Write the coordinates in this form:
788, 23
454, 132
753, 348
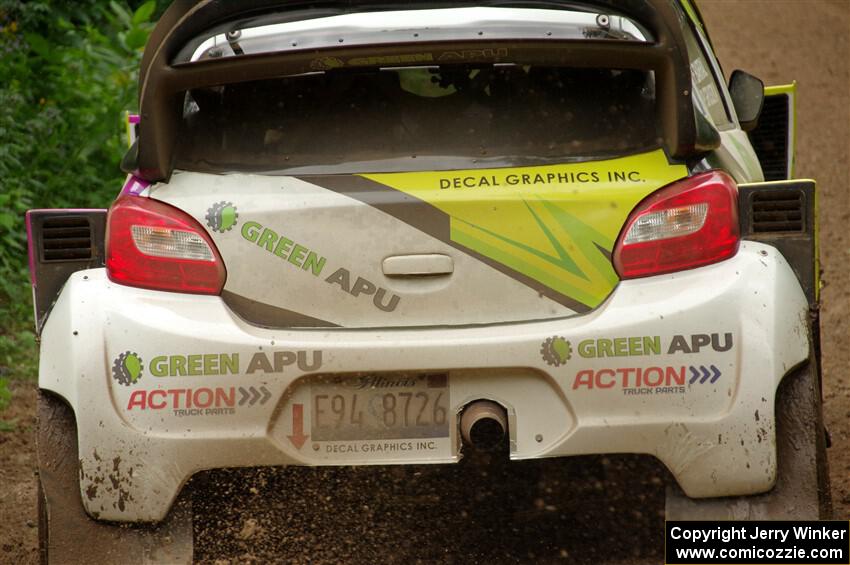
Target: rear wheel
66, 534
802, 484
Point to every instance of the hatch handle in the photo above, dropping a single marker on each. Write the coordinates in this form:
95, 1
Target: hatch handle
425, 265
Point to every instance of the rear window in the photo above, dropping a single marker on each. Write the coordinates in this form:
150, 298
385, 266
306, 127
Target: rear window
418, 118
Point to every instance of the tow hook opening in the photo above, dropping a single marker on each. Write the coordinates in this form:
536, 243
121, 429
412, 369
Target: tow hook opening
484, 425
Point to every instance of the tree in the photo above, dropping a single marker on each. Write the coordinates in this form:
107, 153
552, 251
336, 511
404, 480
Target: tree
68, 72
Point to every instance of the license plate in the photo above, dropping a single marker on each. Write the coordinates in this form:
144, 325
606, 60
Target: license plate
380, 407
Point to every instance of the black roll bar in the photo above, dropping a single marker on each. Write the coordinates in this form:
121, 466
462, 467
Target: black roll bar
162, 82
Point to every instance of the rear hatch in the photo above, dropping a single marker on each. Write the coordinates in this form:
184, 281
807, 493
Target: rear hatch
442, 195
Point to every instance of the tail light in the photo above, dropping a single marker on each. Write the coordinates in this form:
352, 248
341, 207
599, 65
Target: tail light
153, 245
688, 224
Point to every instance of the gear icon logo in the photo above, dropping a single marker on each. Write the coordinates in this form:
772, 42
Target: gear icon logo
556, 351
222, 216
127, 368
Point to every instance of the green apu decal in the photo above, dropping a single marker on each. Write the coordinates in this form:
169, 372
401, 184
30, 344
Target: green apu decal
127, 368
652, 345
620, 347
556, 351
222, 216
302, 257
215, 364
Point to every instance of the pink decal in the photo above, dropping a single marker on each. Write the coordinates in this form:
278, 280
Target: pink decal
133, 118
134, 186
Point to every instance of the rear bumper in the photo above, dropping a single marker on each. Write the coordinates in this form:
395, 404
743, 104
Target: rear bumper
695, 389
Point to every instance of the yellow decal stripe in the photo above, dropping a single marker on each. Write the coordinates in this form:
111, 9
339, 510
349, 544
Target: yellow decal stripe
780, 89
555, 224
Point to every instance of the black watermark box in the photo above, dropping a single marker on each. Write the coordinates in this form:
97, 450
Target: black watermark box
758, 542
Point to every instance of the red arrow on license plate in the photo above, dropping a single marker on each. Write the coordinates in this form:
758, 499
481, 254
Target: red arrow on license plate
298, 438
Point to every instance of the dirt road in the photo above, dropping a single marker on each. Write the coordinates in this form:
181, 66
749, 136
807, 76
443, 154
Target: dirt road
601, 509
807, 41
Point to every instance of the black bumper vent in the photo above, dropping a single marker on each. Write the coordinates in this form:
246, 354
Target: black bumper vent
778, 211
770, 138
782, 214
62, 242
66, 238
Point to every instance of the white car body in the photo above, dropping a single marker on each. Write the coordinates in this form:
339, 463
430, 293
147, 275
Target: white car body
682, 366
722, 430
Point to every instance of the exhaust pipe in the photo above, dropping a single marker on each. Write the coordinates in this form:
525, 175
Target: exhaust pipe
483, 425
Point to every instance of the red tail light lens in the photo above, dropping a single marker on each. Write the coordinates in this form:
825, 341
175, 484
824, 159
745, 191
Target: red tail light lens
153, 245
688, 224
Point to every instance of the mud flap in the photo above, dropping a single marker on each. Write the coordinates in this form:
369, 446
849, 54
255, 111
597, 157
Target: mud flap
802, 485
66, 533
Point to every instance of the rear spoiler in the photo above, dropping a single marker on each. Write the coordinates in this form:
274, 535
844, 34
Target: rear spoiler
162, 82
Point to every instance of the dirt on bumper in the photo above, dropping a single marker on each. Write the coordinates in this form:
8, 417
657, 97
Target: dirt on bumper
682, 367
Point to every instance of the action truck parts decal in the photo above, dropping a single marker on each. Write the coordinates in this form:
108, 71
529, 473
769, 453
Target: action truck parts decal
217, 401
648, 380
661, 376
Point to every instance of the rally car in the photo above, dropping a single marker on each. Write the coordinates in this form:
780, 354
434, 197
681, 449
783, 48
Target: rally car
381, 233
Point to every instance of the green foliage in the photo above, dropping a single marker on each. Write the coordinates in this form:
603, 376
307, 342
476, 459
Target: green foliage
68, 71
5, 396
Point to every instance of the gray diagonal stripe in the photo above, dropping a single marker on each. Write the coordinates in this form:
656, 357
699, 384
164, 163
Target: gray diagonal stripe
428, 219
268, 316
